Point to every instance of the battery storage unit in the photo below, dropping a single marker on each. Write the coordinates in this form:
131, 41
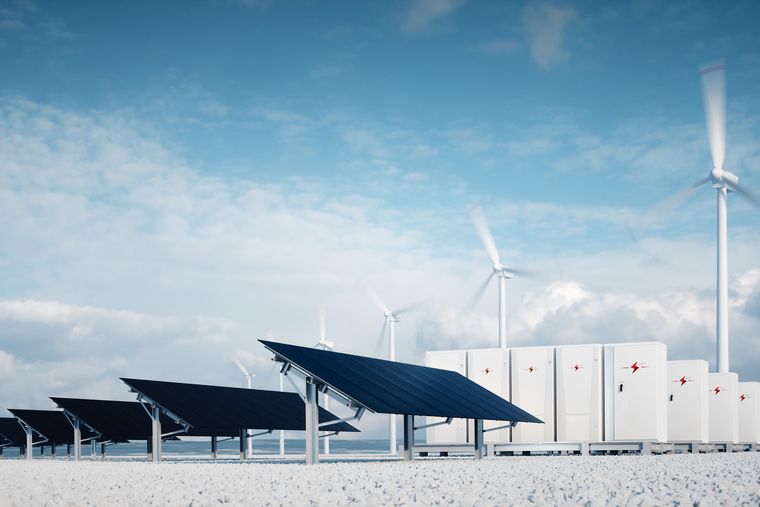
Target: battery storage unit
723, 399
749, 412
490, 369
456, 431
580, 413
688, 413
635, 392
533, 391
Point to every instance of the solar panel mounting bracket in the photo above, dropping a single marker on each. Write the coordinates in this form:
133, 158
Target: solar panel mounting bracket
178, 420
26, 427
334, 433
71, 417
510, 425
447, 421
357, 415
268, 432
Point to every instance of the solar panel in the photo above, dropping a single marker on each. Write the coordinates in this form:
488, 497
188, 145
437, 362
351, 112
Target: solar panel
51, 424
125, 420
391, 387
11, 430
209, 407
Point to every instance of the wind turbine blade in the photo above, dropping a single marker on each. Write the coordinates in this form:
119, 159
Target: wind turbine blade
481, 225
269, 334
321, 320
379, 345
329, 345
748, 192
477, 295
413, 307
667, 206
714, 92
239, 364
364, 288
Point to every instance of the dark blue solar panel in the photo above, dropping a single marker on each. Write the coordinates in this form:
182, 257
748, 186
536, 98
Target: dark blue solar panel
398, 388
232, 407
51, 424
124, 420
12, 431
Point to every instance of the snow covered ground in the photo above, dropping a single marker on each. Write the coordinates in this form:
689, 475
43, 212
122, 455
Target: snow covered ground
715, 479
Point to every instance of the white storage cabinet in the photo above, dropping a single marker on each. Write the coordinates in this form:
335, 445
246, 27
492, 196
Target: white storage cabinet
688, 413
580, 413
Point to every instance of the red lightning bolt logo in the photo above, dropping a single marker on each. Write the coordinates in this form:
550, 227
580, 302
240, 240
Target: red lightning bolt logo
742, 397
530, 369
635, 367
487, 371
718, 390
576, 367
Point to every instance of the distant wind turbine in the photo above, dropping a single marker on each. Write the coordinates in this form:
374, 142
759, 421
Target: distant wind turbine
390, 318
324, 345
248, 377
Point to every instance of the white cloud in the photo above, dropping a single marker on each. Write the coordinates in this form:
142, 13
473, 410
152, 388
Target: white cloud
545, 26
423, 12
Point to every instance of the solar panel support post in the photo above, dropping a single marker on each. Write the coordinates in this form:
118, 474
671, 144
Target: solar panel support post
312, 442
52, 450
150, 448
243, 439
102, 450
478, 438
77, 441
282, 432
93, 448
68, 451
29, 443
156, 425
408, 438
213, 447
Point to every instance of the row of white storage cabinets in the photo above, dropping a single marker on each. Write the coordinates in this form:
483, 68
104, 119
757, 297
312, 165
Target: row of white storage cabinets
594, 393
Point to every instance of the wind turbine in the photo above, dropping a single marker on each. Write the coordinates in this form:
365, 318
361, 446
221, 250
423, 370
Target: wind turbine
500, 270
248, 377
324, 345
392, 318
714, 94
270, 336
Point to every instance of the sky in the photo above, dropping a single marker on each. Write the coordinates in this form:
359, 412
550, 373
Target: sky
181, 179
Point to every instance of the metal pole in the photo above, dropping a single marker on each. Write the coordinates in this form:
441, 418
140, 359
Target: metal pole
249, 431
408, 438
326, 439
150, 447
502, 311
93, 448
156, 444
722, 321
29, 442
243, 438
392, 417
478, 438
312, 442
282, 432
52, 450
213, 447
103, 450
77, 441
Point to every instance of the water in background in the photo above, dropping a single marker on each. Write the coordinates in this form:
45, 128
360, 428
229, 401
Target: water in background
225, 448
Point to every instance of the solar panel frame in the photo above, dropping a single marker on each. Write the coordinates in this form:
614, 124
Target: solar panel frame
231, 407
399, 388
51, 424
12, 431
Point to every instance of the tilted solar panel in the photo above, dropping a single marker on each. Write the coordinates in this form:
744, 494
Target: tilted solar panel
124, 420
206, 407
51, 424
12, 431
399, 388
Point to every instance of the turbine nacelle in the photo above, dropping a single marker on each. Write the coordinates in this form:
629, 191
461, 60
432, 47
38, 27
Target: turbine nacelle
721, 178
503, 271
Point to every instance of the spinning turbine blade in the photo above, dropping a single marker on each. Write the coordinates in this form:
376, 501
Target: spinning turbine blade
239, 365
269, 334
477, 295
481, 225
363, 287
748, 192
714, 91
668, 205
413, 307
379, 345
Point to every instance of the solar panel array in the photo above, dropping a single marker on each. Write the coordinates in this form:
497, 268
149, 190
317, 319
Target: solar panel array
52, 424
391, 387
12, 431
207, 407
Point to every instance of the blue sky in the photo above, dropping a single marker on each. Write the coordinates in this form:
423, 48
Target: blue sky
179, 177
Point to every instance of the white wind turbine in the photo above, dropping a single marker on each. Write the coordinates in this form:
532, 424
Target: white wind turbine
270, 336
390, 318
713, 89
324, 345
248, 377
502, 271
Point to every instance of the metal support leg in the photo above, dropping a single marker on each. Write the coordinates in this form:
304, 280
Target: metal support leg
42, 451
408, 438
312, 440
156, 444
282, 432
29, 442
52, 450
478, 439
103, 450
68, 451
243, 439
93, 448
150, 448
646, 448
213, 447
22, 452
77, 441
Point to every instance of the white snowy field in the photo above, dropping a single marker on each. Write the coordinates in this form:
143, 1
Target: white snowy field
715, 479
